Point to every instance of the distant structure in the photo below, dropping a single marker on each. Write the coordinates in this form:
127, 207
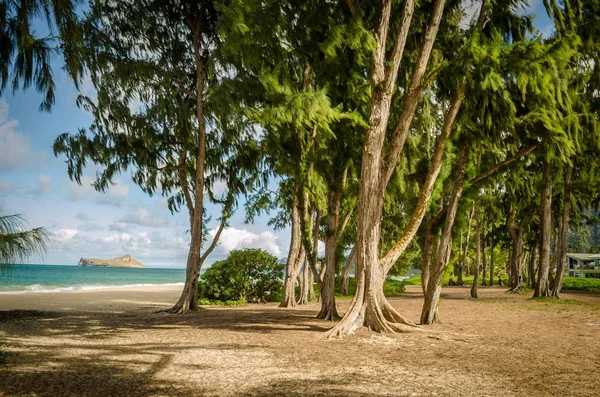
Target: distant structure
122, 261
583, 265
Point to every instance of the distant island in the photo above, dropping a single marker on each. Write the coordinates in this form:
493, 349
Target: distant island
122, 261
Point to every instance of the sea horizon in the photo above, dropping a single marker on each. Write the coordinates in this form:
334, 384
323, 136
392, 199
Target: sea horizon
54, 278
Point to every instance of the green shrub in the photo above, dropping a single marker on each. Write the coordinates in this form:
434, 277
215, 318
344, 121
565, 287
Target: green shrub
393, 287
249, 275
206, 302
414, 280
581, 284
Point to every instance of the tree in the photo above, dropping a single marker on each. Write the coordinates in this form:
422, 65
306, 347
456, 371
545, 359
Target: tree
16, 243
186, 134
25, 57
251, 275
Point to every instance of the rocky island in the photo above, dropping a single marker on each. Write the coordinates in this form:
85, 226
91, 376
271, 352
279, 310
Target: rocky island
122, 261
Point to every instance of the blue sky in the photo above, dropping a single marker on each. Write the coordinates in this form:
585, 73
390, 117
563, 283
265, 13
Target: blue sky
85, 223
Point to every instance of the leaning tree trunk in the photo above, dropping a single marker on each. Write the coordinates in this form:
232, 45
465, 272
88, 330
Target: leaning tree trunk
541, 289
477, 256
346, 274
563, 242
294, 260
369, 307
433, 288
515, 259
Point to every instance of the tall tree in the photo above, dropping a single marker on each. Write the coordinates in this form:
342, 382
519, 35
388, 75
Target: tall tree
186, 132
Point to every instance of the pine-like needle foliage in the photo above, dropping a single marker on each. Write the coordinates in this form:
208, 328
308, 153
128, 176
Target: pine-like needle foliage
18, 244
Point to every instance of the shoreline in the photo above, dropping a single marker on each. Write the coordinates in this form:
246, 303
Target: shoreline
108, 299
48, 289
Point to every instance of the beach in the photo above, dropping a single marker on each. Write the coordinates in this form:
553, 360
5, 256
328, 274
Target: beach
117, 342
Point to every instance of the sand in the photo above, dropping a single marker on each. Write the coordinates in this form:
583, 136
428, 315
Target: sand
116, 343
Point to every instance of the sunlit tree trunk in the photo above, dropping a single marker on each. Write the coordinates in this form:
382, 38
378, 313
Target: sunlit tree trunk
346, 274
294, 260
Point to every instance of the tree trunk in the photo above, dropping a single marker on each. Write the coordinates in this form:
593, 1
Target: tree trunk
463, 260
477, 256
563, 242
328, 308
492, 256
483, 258
531, 266
189, 296
427, 250
541, 289
369, 307
347, 269
294, 262
305, 284
432, 289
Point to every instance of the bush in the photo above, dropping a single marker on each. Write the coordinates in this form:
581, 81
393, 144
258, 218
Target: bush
393, 287
250, 275
581, 284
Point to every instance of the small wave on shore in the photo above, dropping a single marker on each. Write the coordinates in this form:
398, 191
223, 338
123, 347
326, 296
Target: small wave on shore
46, 289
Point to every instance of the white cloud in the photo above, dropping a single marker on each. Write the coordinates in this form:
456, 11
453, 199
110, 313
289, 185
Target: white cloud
15, 151
64, 235
115, 195
144, 217
232, 239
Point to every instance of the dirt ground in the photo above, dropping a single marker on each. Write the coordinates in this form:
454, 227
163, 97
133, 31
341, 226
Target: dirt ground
116, 344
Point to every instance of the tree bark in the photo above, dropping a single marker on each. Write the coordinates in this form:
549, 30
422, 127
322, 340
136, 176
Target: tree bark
563, 242
541, 289
293, 263
531, 266
328, 307
492, 256
463, 260
474, 293
432, 289
189, 296
369, 307
483, 257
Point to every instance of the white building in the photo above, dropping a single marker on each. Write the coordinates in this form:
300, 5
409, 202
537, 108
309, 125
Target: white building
583, 265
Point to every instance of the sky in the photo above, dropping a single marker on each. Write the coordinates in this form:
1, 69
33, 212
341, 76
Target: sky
124, 220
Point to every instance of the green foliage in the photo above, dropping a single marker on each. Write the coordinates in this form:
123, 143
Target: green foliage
581, 284
391, 287
208, 302
26, 57
250, 275
16, 243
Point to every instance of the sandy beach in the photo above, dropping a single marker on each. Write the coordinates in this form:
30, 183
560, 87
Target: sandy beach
117, 343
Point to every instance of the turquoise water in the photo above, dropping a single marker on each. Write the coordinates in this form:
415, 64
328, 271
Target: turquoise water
57, 278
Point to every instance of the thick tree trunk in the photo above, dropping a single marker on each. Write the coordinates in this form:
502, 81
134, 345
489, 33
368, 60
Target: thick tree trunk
369, 307
563, 242
541, 289
474, 293
346, 274
294, 262
328, 308
432, 289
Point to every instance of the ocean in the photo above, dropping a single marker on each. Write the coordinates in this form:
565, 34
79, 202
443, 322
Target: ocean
58, 278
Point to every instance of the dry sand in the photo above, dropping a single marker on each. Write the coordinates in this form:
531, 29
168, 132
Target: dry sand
114, 343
